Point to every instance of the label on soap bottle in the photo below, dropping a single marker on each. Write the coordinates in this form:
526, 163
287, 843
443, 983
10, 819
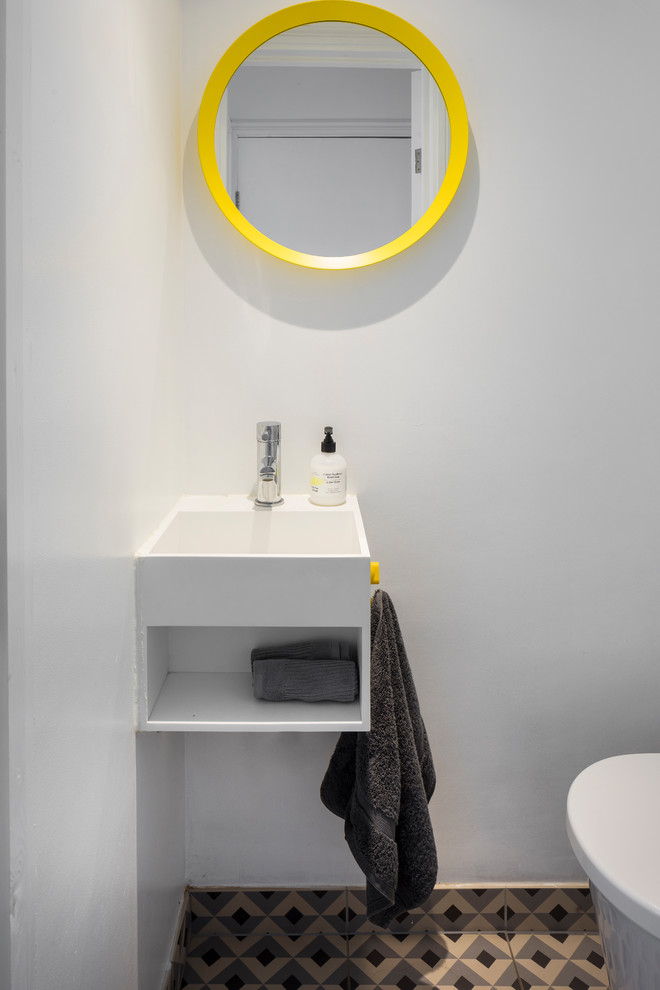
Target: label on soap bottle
329, 483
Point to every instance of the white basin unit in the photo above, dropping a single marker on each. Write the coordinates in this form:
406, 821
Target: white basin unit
221, 576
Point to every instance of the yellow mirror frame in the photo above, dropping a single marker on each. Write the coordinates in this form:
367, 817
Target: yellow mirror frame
348, 11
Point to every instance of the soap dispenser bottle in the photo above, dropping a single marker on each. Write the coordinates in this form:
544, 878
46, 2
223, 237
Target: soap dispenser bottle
328, 473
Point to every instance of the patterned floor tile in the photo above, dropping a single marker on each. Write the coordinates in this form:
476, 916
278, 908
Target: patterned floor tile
559, 962
448, 909
275, 912
447, 962
250, 962
550, 909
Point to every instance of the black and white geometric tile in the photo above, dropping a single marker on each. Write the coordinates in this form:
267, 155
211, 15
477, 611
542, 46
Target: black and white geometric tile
550, 909
458, 961
490, 938
455, 961
276, 912
246, 911
559, 961
448, 909
249, 962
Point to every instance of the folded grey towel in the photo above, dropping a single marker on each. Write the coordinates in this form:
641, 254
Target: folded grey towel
285, 679
380, 781
313, 649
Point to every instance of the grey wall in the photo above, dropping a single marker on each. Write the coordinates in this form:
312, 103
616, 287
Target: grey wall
494, 390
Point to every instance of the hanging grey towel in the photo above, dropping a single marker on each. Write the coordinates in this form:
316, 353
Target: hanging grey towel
380, 781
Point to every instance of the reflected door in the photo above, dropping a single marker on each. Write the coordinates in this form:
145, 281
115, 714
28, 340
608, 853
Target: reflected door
328, 196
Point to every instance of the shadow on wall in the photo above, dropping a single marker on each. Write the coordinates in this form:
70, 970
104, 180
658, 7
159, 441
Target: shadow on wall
326, 300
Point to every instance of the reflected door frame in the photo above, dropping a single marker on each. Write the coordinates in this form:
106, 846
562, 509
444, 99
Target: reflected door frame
300, 128
345, 49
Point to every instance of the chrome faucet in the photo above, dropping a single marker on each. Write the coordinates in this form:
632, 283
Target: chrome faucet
268, 464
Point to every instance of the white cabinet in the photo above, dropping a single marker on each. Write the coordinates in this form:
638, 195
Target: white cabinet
221, 577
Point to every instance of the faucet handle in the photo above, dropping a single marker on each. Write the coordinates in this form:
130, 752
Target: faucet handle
269, 431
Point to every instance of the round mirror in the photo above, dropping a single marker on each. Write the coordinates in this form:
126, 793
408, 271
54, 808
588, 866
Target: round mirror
332, 134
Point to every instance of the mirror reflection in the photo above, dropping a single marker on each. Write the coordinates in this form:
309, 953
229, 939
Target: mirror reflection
332, 139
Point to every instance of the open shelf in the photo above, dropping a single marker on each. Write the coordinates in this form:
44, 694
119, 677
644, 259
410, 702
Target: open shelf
198, 678
199, 702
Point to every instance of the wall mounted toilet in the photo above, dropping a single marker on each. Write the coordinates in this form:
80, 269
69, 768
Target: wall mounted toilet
613, 822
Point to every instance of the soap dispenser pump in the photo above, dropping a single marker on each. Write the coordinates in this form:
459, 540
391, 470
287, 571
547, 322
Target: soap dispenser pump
328, 482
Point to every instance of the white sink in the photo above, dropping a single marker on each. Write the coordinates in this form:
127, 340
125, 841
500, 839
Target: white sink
220, 576
233, 524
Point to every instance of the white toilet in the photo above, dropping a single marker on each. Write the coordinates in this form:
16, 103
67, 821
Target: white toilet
613, 822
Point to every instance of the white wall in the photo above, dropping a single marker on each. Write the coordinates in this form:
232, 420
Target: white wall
5, 932
94, 444
495, 393
494, 390
160, 851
